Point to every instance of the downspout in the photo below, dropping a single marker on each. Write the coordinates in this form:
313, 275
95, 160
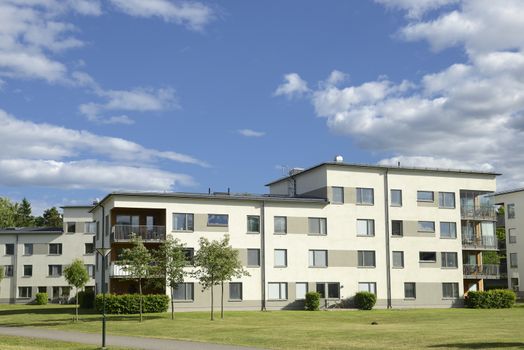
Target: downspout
14, 279
263, 256
388, 258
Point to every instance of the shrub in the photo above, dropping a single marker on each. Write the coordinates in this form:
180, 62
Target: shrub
86, 299
365, 300
312, 301
41, 299
492, 299
130, 303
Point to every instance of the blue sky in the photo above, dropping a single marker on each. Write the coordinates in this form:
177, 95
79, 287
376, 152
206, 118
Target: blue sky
160, 95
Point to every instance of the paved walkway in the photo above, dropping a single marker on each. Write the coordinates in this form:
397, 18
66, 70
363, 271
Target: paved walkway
115, 340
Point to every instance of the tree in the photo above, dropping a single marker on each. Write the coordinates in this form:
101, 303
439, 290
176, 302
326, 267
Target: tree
136, 261
52, 218
77, 276
23, 214
171, 262
8, 211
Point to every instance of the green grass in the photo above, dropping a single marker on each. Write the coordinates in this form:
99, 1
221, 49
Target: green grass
396, 329
21, 343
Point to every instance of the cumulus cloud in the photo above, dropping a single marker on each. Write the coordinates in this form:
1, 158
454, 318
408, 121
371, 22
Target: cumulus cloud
416, 8
293, 86
251, 133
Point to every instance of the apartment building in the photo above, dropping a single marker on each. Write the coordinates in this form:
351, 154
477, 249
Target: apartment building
412, 236
513, 202
34, 258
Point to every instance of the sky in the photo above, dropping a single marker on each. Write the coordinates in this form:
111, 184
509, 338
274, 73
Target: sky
164, 95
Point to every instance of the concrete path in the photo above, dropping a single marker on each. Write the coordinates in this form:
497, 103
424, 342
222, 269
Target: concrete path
115, 340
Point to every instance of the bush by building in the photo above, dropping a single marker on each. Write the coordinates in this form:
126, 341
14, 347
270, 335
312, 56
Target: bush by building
130, 303
41, 299
86, 299
491, 299
312, 301
365, 300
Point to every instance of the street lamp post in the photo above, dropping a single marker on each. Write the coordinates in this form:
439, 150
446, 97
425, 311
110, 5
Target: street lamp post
103, 253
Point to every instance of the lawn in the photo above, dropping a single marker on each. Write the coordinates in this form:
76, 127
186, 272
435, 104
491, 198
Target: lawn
396, 329
20, 343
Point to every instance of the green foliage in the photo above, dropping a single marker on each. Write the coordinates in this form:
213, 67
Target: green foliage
23, 214
501, 234
365, 300
41, 298
2, 272
8, 210
77, 276
491, 299
130, 303
52, 218
312, 301
86, 299
490, 257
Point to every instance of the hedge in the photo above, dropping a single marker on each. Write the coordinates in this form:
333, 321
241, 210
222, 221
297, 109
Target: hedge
365, 300
41, 298
491, 299
130, 303
86, 299
312, 301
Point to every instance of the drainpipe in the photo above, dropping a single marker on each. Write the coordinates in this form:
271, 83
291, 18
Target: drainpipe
263, 256
388, 258
14, 279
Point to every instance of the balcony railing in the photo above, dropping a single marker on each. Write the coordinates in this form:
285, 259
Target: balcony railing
483, 242
481, 271
473, 212
148, 233
117, 270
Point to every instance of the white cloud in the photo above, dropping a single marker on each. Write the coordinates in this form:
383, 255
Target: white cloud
416, 8
194, 15
251, 133
293, 86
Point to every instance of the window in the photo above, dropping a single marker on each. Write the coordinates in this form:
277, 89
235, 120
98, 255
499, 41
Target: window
189, 254
511, 211
410, 290
301, 290
235, 291
396, 198
448, 230
427, 256
513, 260
55, 248
253, 257
366, 258
365, 227
55, 270
425, 196
90, 270
446, 200
183, 222
217, 219
89, 248
24, 292
8, 270
450, 290
426, 226
370, 287
253, 224
280, 225
318, 258
28, 270
9, 249
183, 292
97, 230
280, 257
42, 289
365, 196
28, 249
398, 259
317, 226
333, 290
449, 259
512, 236
397, 228
338, 195
90, 227
71, 227
277, 291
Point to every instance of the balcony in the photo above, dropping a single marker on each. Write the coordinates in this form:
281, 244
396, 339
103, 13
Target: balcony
472, 212
117, 270
149, 233
480, 243
481, 271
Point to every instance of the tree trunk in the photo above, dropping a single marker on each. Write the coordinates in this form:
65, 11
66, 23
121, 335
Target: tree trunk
222, 300
212, 287
140, 292
172, 305
76, 305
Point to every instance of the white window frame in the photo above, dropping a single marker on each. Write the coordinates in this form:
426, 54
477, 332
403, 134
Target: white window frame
280, 251
450, 286
452, 226
395, 204
369, 224
361, 200
422, 192
189, 224
414, 284
427, 261
339, 199
363, 261
401, 253
189, 292
443, 199
250, 217
279, 218
282, 290
258, 260
420, 227
444, 260
370, 287
300, 293
238, 284
511, 211
313, 258
211, 217
318, 224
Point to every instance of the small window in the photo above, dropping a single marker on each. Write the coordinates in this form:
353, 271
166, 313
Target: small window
365, 196
370, 287
217, 220
332, 288
189, 255
321, 289
338, 195
398, 260
183, 222
55, 248
184, 292
425, 196
512, 236
410, 290
8, 270
55, 270
301, 289
28, 249
28, 270
365, 227
90, 227
24, 292
9, 249
396, 198
511, 211
318, 258
446, 200
253, 257
89, 248
317, 226
426, 226
448, 230
450, 290
513, 260
280, 225
397, 228
253, 224
235, 291
366, 258
280, 257
277, 291
71, 227
428, 256
90, 270
42, 289
449, 259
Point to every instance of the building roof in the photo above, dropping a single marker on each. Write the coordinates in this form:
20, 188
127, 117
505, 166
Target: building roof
384, 167
520, 189
31, 230
77, 206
